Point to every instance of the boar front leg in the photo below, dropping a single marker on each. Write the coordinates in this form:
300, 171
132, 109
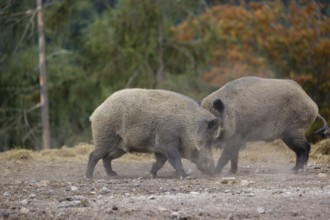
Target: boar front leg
159, 163
230, 152
174, 157
223, 160
170, 148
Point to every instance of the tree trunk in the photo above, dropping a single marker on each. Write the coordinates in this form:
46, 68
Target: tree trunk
160, 74
43, 81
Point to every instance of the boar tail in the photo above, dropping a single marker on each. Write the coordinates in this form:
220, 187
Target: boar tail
325, 129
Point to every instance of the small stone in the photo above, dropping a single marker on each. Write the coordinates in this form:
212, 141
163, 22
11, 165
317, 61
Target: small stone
105, 190
179, 215
228, 180
313, 166
201, 212
78, 197
194, 193
162, 209
67, 204
245, 183
322, 175
278, 192
114, 208
42, 183
73, 188
24, 202
85, 202
109, 211
174, 214
101, 181
261, 210
33, 180
6, 194
32, 196
294, 213
4, 214
24, 210
250, 194
152, 197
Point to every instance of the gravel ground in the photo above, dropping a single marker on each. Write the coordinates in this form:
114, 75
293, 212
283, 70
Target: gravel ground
262, 189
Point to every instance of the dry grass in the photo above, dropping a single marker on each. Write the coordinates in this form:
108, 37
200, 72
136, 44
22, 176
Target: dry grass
256, 152
17, 154
320, 152
276, 152
79, 152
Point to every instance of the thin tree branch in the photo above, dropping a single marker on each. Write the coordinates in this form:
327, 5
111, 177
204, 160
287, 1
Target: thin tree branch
131, 79
25, 31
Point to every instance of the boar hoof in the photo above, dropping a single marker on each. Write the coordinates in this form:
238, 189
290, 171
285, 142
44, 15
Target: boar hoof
112, 173
150, 175
232, 172
184, 176
296, 170
89, 176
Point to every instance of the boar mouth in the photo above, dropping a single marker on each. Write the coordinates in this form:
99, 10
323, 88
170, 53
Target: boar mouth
209, 172
207, 169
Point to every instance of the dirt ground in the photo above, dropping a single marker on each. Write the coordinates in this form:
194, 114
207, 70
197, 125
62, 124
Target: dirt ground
44, 186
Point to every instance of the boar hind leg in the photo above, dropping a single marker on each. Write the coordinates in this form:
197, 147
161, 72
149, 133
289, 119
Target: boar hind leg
301, 147
159, 163
94, 157
115, 153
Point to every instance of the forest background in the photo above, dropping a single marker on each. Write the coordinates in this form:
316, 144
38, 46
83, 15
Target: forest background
95, 47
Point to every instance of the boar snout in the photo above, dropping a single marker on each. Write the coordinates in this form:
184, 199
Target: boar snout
206, 166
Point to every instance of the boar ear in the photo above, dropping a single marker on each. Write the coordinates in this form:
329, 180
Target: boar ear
218, 105
213, 124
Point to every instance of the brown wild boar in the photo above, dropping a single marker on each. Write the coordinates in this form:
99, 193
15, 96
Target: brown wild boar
167, 124
257, 109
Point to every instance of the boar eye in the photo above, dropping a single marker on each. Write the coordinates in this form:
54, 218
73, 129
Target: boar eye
213, 123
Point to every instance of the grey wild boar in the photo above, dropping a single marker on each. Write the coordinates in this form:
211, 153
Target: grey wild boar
257, 109
167, 124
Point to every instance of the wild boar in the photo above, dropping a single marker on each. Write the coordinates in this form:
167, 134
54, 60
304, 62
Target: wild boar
258, 109
167, 124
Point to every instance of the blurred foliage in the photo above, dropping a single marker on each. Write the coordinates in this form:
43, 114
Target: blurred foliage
95, 47
285, 40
